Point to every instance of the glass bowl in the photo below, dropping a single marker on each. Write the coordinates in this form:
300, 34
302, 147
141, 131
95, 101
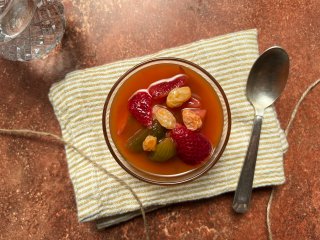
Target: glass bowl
167, 179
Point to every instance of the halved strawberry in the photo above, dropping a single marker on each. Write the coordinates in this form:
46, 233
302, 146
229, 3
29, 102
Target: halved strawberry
140, 106
161, 88
192, 147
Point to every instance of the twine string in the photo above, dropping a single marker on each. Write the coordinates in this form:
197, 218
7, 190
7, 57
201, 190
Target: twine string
292, 117
31, 133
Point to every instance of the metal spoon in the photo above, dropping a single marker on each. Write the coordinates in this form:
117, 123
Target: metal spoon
267, 79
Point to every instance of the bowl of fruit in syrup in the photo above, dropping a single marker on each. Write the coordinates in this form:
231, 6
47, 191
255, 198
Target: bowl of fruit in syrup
166, 121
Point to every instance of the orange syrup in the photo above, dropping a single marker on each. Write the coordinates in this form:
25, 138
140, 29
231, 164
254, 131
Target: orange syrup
123, 125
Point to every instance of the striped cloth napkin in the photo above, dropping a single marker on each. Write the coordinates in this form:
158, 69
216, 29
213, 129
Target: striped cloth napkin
78, 103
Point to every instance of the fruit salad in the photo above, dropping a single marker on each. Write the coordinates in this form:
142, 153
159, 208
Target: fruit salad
165, 119
171, 118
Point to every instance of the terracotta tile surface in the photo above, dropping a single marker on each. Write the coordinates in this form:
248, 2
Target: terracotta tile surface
36, 196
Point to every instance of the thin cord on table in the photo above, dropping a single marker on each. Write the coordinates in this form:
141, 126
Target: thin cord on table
31, 133
293, 114
292, 117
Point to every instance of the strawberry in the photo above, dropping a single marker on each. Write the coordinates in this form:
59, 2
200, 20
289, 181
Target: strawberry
140, 106
192, 147
161, 89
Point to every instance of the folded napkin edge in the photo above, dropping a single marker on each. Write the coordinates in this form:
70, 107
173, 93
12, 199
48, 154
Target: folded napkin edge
154, 206
149, 55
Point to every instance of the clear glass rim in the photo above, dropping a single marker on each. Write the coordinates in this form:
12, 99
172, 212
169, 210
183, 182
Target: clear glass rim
169, 181
9, 10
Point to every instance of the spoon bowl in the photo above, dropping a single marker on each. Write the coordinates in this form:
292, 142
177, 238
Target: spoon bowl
267, 78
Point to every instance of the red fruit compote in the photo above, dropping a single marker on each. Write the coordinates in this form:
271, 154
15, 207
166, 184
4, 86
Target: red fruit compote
192, 102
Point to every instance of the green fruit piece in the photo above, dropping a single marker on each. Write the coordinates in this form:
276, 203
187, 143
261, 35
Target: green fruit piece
165, 150
157, 130
134, 143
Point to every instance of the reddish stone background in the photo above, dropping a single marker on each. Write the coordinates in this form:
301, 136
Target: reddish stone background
36, 196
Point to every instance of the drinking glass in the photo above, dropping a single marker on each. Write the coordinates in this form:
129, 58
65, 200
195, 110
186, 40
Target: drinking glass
30, 29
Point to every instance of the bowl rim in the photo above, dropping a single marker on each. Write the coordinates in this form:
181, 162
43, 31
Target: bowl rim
133, 69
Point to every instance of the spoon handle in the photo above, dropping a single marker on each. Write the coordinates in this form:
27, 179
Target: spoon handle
244, 189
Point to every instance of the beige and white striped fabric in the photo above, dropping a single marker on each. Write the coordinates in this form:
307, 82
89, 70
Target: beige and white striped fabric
78, 102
